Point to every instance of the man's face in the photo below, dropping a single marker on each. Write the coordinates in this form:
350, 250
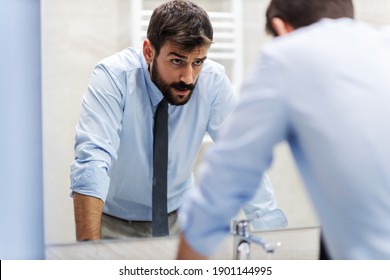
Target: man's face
175, 72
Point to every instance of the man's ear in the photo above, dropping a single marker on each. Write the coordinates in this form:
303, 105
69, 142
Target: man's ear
148, 51
281, 27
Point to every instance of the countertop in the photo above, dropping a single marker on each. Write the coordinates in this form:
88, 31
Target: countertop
296, 244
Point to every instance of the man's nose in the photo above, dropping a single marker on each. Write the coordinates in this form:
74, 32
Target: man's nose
186, 75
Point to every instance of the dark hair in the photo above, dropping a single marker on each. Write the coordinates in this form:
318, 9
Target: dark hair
181, 22
299, 13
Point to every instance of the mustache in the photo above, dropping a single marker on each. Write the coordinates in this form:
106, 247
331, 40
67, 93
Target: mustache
183, 86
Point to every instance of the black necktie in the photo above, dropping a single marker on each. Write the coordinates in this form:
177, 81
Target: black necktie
160, 162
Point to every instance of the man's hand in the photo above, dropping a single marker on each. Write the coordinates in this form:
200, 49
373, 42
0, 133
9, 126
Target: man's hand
88, 215
185, 252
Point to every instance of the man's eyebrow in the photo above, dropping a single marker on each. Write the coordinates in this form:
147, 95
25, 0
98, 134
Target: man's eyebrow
178, 55
183, 56
203, 58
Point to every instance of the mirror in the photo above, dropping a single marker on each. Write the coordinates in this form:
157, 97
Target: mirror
76, 35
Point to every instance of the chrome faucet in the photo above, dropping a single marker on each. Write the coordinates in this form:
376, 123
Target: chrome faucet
243, 239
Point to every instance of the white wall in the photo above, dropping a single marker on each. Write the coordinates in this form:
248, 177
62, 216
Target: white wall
75, 36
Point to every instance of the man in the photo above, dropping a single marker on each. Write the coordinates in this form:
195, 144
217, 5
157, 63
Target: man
112, 174
324, 88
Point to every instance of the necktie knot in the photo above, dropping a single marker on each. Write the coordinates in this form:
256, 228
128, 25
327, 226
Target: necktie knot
161, 122
163, 103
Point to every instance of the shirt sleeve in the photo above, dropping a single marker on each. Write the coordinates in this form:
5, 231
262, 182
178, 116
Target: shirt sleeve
222, 106
234, 165
263, 202
97, 134
262, 211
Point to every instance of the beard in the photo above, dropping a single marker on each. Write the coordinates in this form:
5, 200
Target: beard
167, 89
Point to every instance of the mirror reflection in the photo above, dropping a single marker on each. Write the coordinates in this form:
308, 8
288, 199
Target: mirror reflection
75, 37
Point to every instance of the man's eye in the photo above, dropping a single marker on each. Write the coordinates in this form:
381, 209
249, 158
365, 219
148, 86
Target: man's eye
176, 61
198, 62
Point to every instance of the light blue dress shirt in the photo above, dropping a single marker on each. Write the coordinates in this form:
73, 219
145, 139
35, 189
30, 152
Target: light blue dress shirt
113, 149
325, 89
114, 137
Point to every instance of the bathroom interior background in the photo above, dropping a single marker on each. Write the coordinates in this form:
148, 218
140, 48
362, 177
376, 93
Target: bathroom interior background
77, 34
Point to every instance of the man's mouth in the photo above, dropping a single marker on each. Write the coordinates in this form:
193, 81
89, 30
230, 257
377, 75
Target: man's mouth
182, 91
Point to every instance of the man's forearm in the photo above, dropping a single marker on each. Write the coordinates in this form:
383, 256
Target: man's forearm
88, 215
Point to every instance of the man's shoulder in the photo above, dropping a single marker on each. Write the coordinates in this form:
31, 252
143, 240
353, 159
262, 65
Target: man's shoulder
212, 70
315, 39
212, 66
124, 61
